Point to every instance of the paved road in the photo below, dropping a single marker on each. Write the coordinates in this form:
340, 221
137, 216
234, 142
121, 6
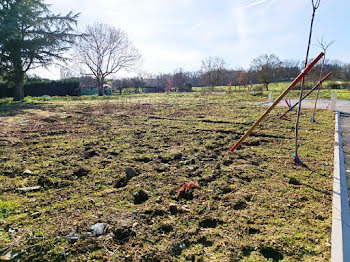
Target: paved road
341, 105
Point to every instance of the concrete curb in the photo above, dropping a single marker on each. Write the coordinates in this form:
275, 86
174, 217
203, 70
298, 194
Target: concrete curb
340, 206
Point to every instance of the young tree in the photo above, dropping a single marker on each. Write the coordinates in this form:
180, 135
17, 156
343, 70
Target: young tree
315, 6
267, 67
169, 84
242, 78
212, 71
31, 36
104, 50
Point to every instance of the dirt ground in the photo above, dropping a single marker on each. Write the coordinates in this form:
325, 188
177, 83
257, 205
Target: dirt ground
121, 162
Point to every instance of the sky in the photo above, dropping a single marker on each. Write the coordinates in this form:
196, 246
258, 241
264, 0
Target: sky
174, 34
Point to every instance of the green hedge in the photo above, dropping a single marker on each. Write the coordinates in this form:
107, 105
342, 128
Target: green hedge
41, 88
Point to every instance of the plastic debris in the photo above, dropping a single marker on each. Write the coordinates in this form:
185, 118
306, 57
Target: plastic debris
185, 190
296, 158
10, 255
99, 229
73, 236
13, 230
312, 119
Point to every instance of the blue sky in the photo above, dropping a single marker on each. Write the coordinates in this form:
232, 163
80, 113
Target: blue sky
180, 33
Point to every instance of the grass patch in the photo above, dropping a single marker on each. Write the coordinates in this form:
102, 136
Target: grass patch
246, 207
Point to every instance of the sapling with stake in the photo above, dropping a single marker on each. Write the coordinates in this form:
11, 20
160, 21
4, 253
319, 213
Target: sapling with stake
315, 5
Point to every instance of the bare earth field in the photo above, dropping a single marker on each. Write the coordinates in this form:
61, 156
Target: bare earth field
252, 205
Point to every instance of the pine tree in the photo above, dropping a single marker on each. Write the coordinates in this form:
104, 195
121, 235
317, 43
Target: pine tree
31, 36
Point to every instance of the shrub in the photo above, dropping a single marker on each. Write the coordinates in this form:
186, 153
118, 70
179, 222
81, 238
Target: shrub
53, 88
44, 88
187, 87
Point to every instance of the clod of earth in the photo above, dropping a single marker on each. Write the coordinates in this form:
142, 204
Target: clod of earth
121, 182
240, 205
173, 209
81, 172
294, 181
271, 253
210, 222
140, 197
122, 233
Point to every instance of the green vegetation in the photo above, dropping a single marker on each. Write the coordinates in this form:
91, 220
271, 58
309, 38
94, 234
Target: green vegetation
6, 208
278, 87
254, 204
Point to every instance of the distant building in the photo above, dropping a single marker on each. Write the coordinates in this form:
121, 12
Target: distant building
152, 86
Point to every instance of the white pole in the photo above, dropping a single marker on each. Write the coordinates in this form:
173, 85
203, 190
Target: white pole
270, 97
333, 101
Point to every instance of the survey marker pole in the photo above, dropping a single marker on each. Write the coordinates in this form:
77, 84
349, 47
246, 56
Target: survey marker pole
296, 80
308, 93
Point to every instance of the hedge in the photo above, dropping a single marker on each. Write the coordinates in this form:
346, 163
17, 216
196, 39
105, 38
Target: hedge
41, 88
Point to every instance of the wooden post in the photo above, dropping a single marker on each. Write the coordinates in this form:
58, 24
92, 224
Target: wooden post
296, 80
308, 93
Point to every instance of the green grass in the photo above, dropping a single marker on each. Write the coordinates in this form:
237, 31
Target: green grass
246, 192
6, 208
277, 88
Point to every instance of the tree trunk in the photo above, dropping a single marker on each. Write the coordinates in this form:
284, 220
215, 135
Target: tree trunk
267, 86
19, 88
100, 88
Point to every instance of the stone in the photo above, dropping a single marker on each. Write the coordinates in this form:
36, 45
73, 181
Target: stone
28, 189
27, 172
36, 215
130, 172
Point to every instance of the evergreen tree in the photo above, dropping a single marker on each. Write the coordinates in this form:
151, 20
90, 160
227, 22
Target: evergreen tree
31, 36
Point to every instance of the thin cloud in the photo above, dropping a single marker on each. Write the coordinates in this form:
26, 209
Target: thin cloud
259, 2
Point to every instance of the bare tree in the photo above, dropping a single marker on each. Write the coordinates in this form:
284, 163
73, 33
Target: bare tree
179, 79
324, 46
212, 71
267, 67
104, 50
242, 78
315, 5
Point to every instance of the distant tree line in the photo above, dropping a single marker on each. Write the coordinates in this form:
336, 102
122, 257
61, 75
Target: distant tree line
263, 70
